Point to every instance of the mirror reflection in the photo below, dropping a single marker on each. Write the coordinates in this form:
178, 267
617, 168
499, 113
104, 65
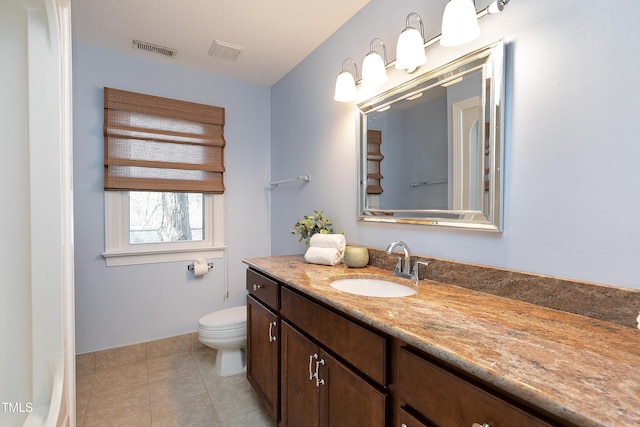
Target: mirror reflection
431, 147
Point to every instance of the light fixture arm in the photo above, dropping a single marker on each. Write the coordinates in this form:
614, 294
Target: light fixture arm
384, 49
355, 65
419, 20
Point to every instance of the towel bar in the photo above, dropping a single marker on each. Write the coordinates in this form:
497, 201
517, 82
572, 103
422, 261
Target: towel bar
306, 178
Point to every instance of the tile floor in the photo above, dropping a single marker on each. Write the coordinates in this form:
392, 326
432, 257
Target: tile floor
176, 390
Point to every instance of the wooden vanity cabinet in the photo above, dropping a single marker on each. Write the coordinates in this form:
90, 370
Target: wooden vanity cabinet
330, 367
315, 366
432, 395
263, 340
319, 390
361, 347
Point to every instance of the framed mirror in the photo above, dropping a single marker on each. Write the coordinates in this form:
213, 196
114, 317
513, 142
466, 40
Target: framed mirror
430, 150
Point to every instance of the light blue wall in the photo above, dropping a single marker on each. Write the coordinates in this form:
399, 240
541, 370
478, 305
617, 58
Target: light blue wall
572, 180
116, 306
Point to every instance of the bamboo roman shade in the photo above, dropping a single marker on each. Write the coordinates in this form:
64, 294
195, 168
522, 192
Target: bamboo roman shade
160, 144
374, 157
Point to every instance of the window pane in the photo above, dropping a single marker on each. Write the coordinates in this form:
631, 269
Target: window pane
165, 217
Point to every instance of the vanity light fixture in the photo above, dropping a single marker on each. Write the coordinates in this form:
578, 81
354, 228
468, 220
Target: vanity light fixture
459, 26
459, 23
346, 83
374, 67
410, 49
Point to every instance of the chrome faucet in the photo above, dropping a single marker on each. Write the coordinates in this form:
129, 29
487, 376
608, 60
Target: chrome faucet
400, 270
404, 269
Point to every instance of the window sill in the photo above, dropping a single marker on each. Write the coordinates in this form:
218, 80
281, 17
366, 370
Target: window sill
119, 258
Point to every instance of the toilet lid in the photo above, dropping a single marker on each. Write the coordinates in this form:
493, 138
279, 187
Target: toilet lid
228, 318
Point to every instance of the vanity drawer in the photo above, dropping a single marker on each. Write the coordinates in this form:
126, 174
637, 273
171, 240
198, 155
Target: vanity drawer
405, 419
446, 399
263, 289
359, 346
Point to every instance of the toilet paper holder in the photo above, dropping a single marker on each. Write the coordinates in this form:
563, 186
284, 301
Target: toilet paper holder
190, 267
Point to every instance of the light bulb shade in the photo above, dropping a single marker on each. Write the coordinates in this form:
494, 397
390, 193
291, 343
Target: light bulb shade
345, 87
459, 23
374, 72
410, 50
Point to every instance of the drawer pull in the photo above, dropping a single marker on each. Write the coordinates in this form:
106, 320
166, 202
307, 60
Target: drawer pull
311, 373
480, 425
256, 287
272, 337
319, 381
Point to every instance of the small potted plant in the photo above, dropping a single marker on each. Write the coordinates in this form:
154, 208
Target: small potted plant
312, 224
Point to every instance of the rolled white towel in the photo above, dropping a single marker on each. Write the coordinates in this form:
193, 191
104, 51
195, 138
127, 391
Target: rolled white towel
336, 241
324, 256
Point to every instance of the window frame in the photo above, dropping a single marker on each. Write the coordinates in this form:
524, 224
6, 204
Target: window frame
118, 250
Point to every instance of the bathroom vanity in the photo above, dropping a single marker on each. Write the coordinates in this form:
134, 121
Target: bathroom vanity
446, 356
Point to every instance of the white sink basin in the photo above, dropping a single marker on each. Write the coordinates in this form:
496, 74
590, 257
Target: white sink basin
372, 288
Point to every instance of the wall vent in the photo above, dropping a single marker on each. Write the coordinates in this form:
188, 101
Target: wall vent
166, 51
225, 50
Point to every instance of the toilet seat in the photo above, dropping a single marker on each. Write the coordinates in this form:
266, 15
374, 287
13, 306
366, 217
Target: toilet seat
226, 331
234, 318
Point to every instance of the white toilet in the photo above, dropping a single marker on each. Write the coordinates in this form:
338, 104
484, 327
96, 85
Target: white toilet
226, 331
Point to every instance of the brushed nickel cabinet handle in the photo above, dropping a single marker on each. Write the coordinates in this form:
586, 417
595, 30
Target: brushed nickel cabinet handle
319, 381
272, 337
311, 374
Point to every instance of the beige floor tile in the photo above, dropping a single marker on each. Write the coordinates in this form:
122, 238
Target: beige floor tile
171, 366
83, 391
140, 419
85, 364
231, 396
196, 411
205, 359
120, 378
168, 346
257, 418
106, 359
177, 390
174, 389
117, 404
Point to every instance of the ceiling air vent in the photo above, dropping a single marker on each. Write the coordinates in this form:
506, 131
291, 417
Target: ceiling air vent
225, 50
166, 51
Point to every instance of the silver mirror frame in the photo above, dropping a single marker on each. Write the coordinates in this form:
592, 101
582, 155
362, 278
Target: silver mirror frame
490, 218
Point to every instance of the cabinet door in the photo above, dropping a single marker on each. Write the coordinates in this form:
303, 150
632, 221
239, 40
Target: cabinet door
347, 399
263, 361
300, 401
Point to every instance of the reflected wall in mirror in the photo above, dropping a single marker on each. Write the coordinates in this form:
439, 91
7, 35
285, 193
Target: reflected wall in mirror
439, 146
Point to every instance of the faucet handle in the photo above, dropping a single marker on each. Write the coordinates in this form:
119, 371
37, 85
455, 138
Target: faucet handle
416, 269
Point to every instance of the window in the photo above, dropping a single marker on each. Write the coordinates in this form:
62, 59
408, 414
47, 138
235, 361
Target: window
156, 217
163, 179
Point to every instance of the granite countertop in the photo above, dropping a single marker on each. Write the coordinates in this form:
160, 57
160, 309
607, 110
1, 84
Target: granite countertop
581, 369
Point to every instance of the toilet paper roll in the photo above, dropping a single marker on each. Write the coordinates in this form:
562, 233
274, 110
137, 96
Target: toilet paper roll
200, 267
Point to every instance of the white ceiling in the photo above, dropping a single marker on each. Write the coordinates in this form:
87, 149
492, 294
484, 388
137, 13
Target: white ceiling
276, 34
